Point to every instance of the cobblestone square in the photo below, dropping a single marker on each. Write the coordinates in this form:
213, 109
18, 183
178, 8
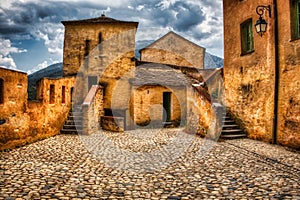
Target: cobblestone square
64, 167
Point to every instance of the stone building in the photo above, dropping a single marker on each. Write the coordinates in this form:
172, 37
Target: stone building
103, 79
172, 49
101, 51
23, 121
262, 73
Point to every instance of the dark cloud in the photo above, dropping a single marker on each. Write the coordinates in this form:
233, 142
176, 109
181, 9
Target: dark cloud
40, 19
188, 16
21, 17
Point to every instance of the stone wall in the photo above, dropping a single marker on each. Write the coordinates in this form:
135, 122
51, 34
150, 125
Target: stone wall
249, 78
92, 109
199, 111
76, 35
26, 122
109, 62
289, 83
14, 120
115, 124
172, 49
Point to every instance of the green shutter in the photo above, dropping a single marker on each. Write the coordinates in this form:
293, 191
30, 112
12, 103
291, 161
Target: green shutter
298, 18
247, 37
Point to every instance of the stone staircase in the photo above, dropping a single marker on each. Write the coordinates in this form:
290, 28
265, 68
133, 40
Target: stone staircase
73, 124
230, 129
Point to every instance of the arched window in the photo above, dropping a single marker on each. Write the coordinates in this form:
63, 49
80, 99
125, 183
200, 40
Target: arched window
1, 91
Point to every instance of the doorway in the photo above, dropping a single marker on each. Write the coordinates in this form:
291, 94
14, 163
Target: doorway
167, 106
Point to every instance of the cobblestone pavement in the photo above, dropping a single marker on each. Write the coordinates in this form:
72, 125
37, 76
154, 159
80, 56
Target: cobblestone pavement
61, 167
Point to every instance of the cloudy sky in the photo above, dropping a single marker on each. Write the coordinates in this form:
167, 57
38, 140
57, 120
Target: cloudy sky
31, 35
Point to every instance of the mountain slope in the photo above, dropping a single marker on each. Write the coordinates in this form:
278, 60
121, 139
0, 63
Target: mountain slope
212, 61
52, 71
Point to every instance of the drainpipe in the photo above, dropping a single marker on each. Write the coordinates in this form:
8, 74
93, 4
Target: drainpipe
277, 70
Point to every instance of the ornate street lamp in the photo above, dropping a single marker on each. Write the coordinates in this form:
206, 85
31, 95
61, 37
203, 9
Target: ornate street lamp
261, 24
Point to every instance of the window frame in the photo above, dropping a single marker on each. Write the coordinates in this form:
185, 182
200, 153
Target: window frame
247, 43
295, 19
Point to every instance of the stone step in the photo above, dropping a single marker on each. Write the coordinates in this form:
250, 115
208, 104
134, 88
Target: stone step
70, 131
71, 122
233, 136
72, 117
230, 126
228, 122
226, 131
75, 114
72, 126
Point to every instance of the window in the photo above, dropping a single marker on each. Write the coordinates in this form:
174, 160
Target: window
295, 19
63, 94
87, 47
52, 94
72, 93
247, 37
99, 41
1, 91
99, 38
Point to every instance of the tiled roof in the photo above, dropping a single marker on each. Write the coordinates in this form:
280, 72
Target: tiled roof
158, 74
102, 19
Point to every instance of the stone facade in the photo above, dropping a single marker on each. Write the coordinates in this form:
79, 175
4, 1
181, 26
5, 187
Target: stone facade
172, 49
102, 75
148, 105
250, 78
83, 36
24, 121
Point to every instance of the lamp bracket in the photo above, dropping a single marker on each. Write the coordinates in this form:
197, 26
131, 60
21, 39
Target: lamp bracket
261, 9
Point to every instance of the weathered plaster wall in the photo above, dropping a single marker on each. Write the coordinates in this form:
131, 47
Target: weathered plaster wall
148, 104
92, 110
172, 49
15, 122
109, 62
249, 79
289, 85
199, 111
77, 34
26, 121
164, 57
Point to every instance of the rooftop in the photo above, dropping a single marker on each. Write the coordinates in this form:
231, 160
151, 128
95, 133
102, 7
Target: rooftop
101, 19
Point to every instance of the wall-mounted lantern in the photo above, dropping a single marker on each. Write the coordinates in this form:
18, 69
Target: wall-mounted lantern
261, 24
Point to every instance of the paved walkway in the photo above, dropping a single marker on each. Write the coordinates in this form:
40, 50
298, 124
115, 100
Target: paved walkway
149, 164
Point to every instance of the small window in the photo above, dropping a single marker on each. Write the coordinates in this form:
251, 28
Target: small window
99, 38
295, 19
247, 37
99, 41
1, 91
87, 47
71, 94
52, 94
63, 94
